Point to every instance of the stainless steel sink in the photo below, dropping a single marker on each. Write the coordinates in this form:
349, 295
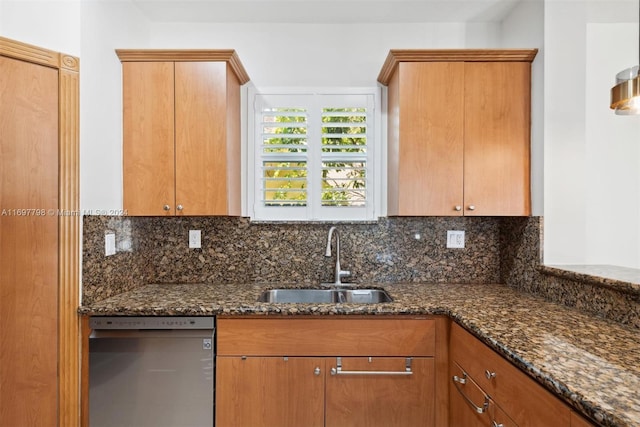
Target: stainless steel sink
327, 296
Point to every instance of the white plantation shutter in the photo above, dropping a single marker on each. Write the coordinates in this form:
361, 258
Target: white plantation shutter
344, 156
313, 156
284, 156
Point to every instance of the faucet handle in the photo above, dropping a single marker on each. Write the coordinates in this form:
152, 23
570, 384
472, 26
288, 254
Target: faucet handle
344, 273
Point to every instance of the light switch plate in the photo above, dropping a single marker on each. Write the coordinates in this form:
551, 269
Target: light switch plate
109, 244
455, 238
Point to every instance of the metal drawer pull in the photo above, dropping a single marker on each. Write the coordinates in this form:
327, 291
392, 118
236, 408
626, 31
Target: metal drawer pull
459, 380
489, 374
338, 370
495, 424
479, 409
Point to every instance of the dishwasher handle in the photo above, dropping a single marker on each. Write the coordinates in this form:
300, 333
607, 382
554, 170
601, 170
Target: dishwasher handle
150, 333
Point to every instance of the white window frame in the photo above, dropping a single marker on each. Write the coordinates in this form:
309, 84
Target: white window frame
307, 213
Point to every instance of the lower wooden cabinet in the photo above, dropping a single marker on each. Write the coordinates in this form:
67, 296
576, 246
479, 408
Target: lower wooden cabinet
579, 421
355, 372
487, 390
270, 391
372, 371
380, 392
470, 406
307, 391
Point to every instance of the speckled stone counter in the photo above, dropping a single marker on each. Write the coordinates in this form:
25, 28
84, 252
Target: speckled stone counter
619, 278
591, 363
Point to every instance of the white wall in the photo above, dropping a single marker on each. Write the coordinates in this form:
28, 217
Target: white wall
524, 28
564, 159
313, 54
612, 152
592, 165
106, 26
50, 24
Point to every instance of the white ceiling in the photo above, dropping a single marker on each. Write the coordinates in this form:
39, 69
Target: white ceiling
326, 11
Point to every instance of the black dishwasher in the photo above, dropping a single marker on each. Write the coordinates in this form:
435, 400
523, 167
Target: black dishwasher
151, 371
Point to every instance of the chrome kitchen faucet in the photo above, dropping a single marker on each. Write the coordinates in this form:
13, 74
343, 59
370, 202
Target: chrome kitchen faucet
339, 273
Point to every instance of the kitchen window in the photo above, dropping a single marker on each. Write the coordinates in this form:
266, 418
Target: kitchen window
312, 155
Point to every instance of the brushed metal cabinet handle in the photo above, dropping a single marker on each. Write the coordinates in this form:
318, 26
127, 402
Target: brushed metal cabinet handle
478, 409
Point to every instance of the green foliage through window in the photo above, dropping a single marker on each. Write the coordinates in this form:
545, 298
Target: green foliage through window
284, 133
344, 143
343, 148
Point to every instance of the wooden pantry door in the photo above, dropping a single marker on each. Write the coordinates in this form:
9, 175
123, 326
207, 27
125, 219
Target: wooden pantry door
39, 247
28, 243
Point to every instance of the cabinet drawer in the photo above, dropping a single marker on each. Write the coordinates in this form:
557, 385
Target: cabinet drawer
485, 366
325, 337
375, 393
527, 402
469, 404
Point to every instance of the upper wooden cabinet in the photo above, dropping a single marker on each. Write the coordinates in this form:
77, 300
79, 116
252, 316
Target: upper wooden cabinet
181, 131
458, 132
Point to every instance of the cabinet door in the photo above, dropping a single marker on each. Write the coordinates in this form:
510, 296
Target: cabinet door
148, 138
269, 391
497, 138
371, 400
425, 150
201, 138
28, 243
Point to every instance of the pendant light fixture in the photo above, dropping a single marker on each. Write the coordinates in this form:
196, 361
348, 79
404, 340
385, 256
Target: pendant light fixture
625, 95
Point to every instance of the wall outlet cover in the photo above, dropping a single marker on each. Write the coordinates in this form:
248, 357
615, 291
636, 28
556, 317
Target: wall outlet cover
195, 239
455, 238
109, 244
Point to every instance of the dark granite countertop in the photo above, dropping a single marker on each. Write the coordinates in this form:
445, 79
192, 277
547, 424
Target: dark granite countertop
622, 279
591, 363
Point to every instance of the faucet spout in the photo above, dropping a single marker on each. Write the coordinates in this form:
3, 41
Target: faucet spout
339, 273
328, 251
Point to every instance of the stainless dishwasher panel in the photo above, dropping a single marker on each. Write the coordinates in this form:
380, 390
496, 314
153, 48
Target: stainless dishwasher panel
151, 371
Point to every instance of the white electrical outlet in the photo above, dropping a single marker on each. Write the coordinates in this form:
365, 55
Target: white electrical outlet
455, 239
109, 244
195, 239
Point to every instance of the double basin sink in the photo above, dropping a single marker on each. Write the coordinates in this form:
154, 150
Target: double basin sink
325, 296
